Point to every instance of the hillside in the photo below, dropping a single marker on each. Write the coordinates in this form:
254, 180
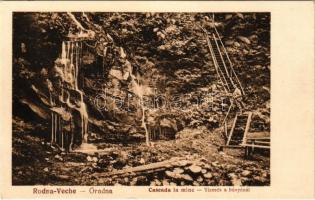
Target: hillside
110, 79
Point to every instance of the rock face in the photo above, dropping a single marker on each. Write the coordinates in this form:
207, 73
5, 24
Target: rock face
137, 68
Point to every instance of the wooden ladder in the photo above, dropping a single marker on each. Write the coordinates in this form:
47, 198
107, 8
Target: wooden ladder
222, 62
239, 130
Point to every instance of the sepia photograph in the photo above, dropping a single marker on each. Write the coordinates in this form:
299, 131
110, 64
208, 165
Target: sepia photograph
141, 98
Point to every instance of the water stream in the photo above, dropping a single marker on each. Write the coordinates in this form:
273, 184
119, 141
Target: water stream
69, 71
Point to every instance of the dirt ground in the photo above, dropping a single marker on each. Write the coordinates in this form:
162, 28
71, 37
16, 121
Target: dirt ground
36, 162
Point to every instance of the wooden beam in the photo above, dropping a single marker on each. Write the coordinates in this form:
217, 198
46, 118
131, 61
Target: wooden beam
175, 162
262, 142
256, 146
260, 138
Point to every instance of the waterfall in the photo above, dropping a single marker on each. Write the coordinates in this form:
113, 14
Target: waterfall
139, 90
71, 52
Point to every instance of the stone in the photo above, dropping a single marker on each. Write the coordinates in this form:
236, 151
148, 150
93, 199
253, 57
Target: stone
264, 174
116, 73
229, 43
170, 174
126, 179
165, 182
253, 37
221, 153
89, 159
246, 173
240, 15
228, 16
232, 175
243, 39
199, 179
173, 184
186, 177
259, 179
258, 67
195, 183
157, 182
46, 169
63, 177
207, 166
59, 157
101, 181
236, 44
178, 170
94, 159
235, 180
142, 161
134, 181
195, 169
182, 163
203, 171
215, 164
207, 175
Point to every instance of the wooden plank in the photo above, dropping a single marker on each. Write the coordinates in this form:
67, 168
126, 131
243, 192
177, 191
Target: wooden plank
232, 129
233, 146
262, 142
260, 138
255, 146
151, 166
